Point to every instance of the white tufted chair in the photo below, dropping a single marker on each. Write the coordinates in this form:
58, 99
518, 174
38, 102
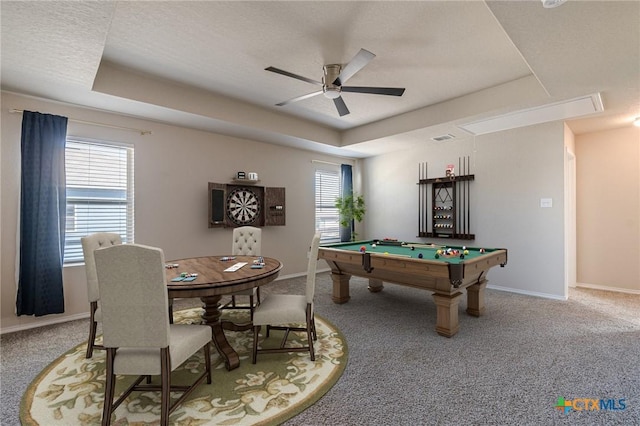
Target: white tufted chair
284, 311
89, 244
138, 338
247, 241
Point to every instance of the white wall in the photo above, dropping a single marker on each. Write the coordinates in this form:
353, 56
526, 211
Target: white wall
513, 171
172, 168
608, 205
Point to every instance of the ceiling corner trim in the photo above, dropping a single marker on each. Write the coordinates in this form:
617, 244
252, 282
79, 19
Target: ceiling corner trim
562, 110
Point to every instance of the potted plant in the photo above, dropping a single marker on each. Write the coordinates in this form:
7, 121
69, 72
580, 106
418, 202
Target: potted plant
350, 208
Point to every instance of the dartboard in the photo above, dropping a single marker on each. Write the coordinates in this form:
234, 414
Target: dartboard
243, 206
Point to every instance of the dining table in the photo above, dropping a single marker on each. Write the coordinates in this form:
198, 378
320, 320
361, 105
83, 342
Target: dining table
211, 277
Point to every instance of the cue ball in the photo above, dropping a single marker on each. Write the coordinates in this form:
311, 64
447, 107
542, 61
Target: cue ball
373, 245
419, 255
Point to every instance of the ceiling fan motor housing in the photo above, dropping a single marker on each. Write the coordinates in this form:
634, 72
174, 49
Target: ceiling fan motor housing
331, 73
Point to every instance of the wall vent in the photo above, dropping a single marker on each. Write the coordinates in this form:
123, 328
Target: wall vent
446, 137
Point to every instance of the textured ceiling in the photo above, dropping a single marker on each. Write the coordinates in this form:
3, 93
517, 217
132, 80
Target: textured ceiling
202, 64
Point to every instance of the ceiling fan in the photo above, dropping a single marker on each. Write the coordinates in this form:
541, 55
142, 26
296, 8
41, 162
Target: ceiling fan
335, 75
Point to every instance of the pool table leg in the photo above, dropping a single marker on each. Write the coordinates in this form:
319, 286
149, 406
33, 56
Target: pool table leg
475, 298
447, 313
375, 286
340, 287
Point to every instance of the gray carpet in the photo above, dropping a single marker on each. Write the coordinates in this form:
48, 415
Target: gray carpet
507, 367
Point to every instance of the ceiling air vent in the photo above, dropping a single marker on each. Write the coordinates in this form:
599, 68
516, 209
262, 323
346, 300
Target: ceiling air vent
442, 138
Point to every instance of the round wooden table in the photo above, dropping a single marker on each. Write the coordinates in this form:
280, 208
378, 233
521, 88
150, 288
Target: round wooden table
211, 283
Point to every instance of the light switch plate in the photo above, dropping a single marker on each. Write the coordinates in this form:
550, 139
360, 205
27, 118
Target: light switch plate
546, 202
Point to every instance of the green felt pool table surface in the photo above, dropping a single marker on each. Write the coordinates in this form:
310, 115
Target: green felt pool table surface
414, 250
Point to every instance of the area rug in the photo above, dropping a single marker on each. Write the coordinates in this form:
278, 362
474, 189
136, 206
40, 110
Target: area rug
70, 391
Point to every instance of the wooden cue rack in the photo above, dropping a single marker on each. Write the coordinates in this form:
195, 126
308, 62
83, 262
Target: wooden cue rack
444, 207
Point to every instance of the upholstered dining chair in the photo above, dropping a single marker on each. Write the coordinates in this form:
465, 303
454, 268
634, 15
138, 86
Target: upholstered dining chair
247, 241
288, 311
89, 244
137, 335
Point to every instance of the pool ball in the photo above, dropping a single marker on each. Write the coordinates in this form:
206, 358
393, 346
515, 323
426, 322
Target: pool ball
462, 256
363, 249
412, 248
420, 256
481, 250
373, 245
466, 252
437, 256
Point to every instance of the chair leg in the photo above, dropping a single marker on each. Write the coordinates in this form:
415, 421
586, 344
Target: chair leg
258, 294
93, 326
251, 307
310, 339
170, 311
256, 330
313, 327
165, 380
207, 362
109, 388
233, 301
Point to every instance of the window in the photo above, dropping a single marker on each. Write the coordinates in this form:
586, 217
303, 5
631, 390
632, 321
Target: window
99, 192
327, 216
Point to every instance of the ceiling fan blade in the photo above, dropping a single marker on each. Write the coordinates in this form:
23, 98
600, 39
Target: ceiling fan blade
299, 98
341, 106
362, 58
296, 76
392, 91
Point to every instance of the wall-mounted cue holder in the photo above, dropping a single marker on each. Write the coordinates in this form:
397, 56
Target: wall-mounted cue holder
444, 203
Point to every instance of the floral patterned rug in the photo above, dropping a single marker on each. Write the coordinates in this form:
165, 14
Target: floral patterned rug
70, 391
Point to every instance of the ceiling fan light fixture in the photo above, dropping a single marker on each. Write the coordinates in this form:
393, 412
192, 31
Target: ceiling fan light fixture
550, 4
331, 92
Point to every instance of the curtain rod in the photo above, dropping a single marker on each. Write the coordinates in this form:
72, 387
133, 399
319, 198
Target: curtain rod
93, 123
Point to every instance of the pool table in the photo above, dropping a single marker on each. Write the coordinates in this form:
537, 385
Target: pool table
416, 265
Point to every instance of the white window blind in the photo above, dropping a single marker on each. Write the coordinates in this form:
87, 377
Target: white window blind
327, 216
99, 193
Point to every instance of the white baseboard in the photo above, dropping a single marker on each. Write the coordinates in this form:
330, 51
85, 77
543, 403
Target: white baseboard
527, 293
43, 323
606, 288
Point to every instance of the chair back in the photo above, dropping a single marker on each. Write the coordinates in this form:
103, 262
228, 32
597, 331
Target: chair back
247, 241
133, 296
311, 270
89, 244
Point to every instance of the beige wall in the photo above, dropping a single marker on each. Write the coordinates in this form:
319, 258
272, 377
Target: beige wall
172, 168
513, 171
608, 206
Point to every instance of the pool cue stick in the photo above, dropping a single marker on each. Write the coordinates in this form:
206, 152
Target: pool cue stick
464, 198
387, 254
420, 200
422, 245
460, 206
426, 199
469, 196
